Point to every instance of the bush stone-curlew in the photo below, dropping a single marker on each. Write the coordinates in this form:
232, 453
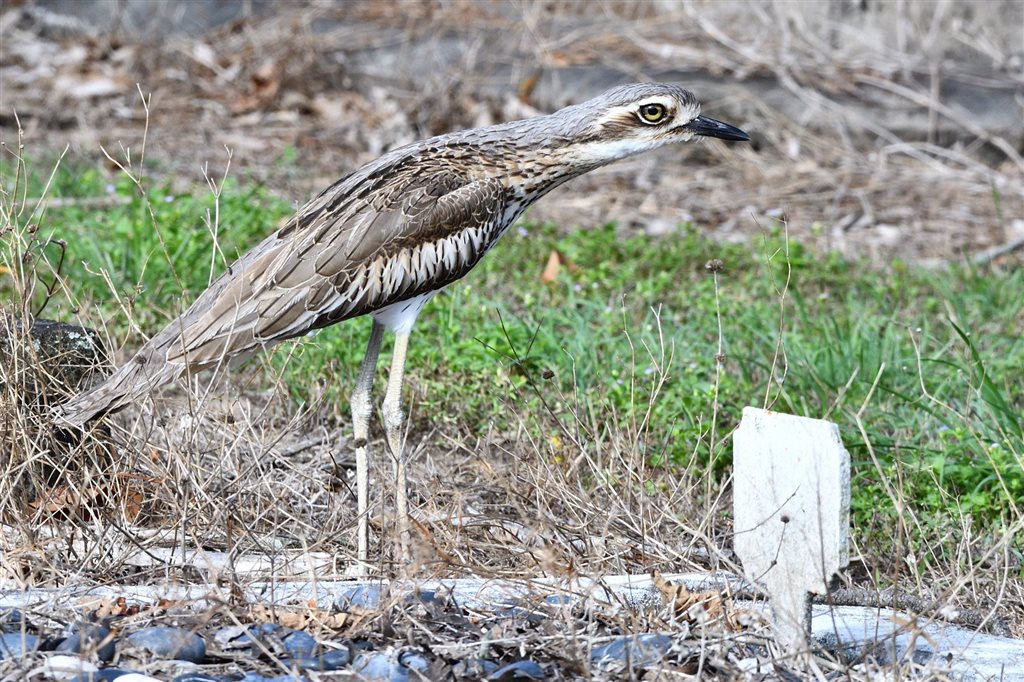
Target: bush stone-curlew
385, 239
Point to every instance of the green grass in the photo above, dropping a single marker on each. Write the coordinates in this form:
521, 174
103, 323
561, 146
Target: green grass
927, 362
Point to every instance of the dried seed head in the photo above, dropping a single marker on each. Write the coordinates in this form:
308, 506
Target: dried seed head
714, 265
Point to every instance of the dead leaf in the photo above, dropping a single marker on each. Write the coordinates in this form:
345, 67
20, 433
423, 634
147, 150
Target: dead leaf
702, 608
106, 608
267, 80
553, 267
266, 84
304, 618
123, 492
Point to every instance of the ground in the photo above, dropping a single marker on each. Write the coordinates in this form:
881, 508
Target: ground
571, 403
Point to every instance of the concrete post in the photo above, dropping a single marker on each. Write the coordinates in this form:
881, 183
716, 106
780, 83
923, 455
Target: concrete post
791, 502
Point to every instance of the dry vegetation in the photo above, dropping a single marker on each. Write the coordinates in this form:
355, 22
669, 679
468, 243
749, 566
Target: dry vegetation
856, 150
883, 131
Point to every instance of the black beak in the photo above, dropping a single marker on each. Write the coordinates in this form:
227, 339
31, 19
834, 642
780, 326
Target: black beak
709, 127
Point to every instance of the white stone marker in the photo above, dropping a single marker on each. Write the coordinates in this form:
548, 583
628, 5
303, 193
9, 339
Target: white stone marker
791, 508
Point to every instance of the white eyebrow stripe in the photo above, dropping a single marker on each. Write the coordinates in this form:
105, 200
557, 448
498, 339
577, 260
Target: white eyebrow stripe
667, 102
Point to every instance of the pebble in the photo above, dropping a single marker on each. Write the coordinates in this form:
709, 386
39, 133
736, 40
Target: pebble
382, 666
170, 642
16, 644
367, 597
474, 668
88, 644
295, 648
331, 660
89, 638
379, 666
11, 619
518, 671
414, 661
104, 675
637, 651
560, 600
301, 647
235, 637
63, 667
299, 644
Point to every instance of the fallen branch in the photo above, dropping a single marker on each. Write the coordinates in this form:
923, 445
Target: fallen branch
898, 600
989, 255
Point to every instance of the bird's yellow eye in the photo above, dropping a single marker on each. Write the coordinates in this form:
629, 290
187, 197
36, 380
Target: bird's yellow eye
652, 113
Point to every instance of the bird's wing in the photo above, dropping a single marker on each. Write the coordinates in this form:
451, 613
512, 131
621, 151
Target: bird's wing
346, 254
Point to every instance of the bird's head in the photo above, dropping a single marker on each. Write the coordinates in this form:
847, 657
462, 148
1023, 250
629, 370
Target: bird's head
635, 118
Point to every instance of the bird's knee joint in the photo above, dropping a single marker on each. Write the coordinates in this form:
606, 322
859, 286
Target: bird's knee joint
393, 415
360, 406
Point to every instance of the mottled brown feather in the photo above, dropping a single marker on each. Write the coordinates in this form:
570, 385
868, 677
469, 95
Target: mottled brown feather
405, 225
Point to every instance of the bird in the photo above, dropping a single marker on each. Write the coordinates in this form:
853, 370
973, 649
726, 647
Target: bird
384, 240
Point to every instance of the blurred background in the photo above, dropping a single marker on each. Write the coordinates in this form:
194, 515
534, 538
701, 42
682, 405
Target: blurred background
888, 129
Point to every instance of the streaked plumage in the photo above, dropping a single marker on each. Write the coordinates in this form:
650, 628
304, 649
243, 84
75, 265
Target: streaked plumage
385, 238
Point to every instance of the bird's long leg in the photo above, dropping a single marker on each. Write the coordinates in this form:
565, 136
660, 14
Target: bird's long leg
362, 410
394, 420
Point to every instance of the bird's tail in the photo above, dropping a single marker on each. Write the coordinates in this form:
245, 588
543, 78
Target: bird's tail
144, 372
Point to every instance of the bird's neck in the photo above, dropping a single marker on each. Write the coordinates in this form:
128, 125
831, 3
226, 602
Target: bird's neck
533, 171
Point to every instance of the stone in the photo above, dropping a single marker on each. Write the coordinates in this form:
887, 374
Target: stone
299, 644
64, 667
330, 660
62, 357
376, 665
11, 620
43, 367
791, 501
518, 671
170, 642
413, 660
388, 666
473, 668
631, 651
90, 638
16, 645
365, 596
282, 642
105, 675
846, 633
